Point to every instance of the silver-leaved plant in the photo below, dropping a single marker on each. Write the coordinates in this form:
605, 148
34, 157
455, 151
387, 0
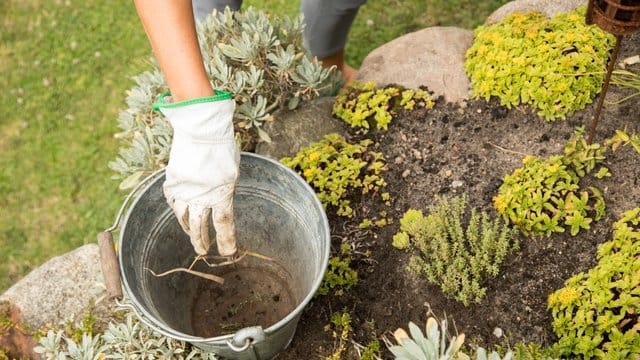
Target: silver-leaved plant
126, 340
260, 59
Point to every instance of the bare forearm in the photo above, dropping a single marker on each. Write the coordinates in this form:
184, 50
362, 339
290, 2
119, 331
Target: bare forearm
170, 27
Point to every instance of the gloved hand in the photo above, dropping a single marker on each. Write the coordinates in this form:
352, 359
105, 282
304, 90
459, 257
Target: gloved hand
203, 168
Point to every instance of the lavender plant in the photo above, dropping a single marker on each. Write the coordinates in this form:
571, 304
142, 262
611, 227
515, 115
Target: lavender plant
260, 59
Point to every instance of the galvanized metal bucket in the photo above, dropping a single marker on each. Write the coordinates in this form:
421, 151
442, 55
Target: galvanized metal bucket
276, 214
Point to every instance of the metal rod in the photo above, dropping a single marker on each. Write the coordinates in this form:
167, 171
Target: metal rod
605, 87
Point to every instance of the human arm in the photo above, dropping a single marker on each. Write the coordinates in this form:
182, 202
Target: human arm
171, 31
203, 163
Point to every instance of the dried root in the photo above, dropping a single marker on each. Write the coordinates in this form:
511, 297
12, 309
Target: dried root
226, 260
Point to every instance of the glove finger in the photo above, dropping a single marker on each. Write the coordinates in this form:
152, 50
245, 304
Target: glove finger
181, 209
199, 229
225, 228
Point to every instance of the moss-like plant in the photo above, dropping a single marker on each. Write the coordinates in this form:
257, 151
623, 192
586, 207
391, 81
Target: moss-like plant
544, 196
260, 59
556, 65
596, 314
365, 106
457, 249
334, 168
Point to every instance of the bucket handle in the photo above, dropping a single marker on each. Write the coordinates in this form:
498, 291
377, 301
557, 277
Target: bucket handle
107, 250
246, 337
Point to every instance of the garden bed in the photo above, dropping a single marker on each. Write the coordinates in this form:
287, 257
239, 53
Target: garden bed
451, 150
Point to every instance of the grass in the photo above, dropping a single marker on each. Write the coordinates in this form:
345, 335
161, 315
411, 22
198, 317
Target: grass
66, 66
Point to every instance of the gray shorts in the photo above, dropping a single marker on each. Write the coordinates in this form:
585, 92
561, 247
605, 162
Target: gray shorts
327, 22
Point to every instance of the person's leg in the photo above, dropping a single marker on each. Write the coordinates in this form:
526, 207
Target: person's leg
327, 24
203, 8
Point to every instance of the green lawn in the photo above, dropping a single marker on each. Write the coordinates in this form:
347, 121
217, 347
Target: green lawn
65, 67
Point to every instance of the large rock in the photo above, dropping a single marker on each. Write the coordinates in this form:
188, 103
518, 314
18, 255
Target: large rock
433, 57
548, 7
59, 290
292, 130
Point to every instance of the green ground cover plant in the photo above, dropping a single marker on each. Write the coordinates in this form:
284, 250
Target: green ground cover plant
596, 314
555, 65
66, 66
455, 248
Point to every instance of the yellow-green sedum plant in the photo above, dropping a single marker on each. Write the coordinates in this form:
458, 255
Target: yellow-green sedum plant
260, 59
544, 195
337, 169
556, 65
365, 106
595, 315
339, 276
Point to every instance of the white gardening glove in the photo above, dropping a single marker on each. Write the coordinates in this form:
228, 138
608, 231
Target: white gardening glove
203, 168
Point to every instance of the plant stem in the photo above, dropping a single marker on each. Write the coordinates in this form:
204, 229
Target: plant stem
605, 87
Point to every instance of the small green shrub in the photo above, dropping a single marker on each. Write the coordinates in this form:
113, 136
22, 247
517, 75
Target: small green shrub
339, 275
457, 250
260, 59
596, 314
334, 168
341, 330
371, 351
365, 106
544, 196
556, 65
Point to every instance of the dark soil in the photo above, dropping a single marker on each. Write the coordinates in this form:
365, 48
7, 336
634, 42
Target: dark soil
452, 150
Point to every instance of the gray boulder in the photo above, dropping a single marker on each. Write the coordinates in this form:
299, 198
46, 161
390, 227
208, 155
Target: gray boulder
59, 290
292, 130
432, 57
548, 7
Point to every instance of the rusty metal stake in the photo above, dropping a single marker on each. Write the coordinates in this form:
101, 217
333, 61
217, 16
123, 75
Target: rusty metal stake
605, 87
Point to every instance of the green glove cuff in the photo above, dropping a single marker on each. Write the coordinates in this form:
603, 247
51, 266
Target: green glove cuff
219, 96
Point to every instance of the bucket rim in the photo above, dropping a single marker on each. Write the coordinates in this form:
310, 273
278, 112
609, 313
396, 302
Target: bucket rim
157, 325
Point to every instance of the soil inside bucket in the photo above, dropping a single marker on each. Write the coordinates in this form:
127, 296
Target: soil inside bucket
250, 296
